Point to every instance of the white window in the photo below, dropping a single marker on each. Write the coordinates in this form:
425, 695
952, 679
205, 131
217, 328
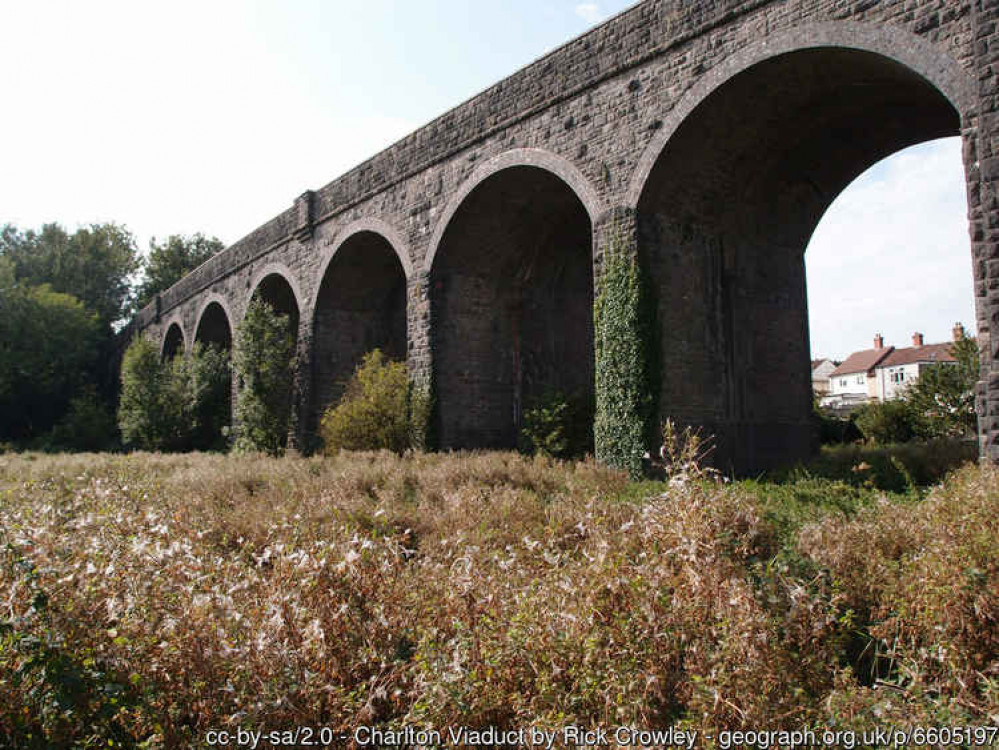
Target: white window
842, 382
860, 380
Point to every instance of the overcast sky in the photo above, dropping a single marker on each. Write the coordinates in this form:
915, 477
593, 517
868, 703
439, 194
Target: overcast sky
179, 117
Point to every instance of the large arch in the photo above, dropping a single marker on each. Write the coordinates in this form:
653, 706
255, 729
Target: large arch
519, 157
214, 329
511, 291
174, 342
276, 285
214, 326
360, 305
746, 166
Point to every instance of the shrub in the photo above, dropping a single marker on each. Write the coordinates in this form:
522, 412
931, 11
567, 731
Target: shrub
263, 360
88, 425
178, 405
888, 422
143, 417
374, 412
207, 373
558, 426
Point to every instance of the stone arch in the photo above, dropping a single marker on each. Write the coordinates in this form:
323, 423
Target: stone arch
206, 328
728, 195
359, 305
511, 299
174, 340
373, 225
562, 168
922, 57
278, 285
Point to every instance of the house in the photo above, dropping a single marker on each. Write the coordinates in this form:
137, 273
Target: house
902, 367
821, 370
854, 381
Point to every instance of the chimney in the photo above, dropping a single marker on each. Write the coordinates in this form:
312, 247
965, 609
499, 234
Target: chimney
917, 339
879, 342
958, 332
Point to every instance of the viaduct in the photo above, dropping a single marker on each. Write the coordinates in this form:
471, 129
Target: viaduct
704, 137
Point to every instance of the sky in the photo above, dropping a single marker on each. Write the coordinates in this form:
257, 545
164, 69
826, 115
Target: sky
212, 117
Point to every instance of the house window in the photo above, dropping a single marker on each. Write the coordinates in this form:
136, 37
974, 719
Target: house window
860, 380
842, 382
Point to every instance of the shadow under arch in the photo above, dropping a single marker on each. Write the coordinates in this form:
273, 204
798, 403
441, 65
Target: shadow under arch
511, 292
174, 342
746, 168
360, 305
276, 285
214, 325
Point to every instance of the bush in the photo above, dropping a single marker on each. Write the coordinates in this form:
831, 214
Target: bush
264, 363
558, 426
207, 374
888, 422
178, 405
88, 425
143, 417
374, 412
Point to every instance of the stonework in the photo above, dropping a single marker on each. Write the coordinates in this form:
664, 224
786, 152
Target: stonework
722, 128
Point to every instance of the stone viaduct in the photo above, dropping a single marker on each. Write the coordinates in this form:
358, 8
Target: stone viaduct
706, 137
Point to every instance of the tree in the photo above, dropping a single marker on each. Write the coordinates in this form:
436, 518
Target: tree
178, 405
944, 396
887, 422
172, 260
263, 360
95, 264
144, 414
48, 350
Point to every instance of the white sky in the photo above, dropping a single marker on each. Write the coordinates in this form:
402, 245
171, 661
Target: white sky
193, 116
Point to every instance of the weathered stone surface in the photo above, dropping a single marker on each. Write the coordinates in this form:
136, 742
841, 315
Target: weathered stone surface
725, 127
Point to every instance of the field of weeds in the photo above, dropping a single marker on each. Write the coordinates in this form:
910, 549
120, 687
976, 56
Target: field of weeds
147, 599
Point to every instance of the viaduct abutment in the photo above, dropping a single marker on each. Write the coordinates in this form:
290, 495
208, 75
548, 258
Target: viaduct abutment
706, 139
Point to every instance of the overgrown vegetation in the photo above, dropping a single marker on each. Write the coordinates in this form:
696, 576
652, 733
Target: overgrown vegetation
63, 295
622, 336
177, 405
264, 361
940, 404
374, 411
558, 426
178, 594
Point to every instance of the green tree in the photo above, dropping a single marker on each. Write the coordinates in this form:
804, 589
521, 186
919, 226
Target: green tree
944, 396
887, 422
48, 350
207, 372
95, 264
178, 405
263, 360
145, 416
172, 260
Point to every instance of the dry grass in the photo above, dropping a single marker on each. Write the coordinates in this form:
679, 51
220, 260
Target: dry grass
182, 593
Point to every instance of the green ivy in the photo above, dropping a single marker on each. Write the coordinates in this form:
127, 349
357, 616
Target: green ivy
624, 401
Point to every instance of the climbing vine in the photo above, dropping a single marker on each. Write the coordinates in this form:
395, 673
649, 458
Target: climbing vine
622, 336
